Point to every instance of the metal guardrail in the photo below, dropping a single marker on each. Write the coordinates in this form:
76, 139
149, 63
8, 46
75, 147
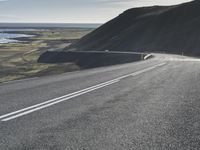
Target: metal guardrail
107, 51
144, 56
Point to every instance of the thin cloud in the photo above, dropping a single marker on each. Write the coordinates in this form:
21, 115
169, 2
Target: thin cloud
9, 17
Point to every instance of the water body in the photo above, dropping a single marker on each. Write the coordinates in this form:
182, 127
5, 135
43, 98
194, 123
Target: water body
11, 38
5, 28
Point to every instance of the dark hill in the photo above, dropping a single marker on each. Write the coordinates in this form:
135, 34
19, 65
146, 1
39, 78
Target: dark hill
173, 29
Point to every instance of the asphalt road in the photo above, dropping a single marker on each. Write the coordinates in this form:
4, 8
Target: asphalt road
152, 104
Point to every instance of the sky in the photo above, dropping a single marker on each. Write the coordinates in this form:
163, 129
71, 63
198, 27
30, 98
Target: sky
70, 11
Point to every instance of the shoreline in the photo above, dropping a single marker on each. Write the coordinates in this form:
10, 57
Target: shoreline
19, 60
35, 33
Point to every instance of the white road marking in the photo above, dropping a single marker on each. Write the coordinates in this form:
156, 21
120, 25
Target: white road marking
55, 99
31, 109
55, 102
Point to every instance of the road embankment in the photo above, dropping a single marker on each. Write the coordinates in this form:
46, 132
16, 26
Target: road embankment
87, 60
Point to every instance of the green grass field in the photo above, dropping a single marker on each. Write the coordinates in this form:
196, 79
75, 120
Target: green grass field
19, 60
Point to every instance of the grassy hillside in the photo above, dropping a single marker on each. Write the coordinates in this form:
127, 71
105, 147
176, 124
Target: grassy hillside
172, 29
19, 60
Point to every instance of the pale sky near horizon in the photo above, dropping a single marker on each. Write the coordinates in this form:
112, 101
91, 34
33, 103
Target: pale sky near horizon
70, 11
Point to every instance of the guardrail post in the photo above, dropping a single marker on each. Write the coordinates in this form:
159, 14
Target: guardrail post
142, 56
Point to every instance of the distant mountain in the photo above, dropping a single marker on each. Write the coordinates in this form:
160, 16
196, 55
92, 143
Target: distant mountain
172, 29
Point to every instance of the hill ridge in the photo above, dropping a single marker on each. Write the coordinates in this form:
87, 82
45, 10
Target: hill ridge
173, 29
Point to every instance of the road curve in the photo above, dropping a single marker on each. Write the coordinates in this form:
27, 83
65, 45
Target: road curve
152, 104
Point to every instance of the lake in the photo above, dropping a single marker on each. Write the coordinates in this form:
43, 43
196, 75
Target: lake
6, 37
11, 38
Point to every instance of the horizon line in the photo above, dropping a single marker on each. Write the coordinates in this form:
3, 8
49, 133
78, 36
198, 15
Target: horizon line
49, 23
